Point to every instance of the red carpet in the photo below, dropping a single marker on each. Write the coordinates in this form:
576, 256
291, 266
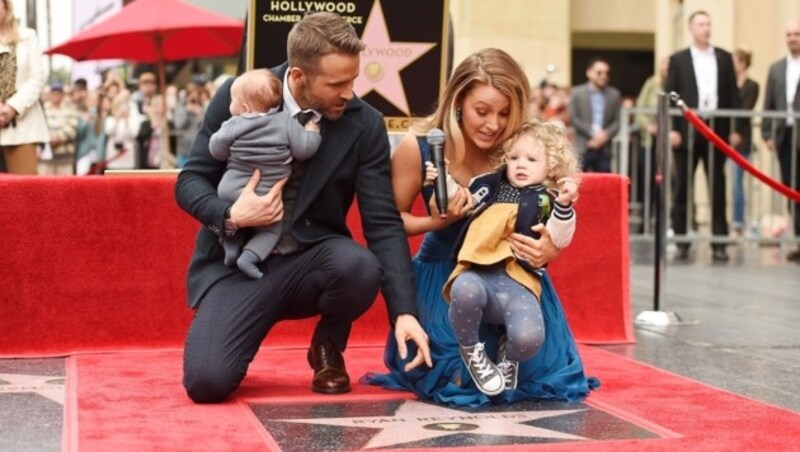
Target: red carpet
134, 401
99, 263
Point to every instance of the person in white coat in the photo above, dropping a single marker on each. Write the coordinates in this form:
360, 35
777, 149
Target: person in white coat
22, 77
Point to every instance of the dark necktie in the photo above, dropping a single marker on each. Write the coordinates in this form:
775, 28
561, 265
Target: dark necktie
304, 116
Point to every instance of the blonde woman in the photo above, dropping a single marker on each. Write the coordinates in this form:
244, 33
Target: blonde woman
22, 79
484, 103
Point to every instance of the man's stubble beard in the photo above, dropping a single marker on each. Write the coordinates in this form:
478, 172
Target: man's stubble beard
315, 104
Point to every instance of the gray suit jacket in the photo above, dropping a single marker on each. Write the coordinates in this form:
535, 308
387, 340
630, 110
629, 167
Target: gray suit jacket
353, 161
580, 114
775, 100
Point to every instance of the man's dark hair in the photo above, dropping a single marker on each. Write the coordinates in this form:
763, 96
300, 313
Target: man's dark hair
595, 60
317, 35
699, 12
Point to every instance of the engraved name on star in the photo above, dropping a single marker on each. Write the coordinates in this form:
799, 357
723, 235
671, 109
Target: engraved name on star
416, 421
382, 60
46, 386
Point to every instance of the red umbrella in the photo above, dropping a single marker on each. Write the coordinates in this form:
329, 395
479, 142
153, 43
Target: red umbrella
155, 31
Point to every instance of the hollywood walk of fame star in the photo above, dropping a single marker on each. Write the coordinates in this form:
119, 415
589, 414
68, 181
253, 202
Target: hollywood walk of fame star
45, 385
416, 421
383, 59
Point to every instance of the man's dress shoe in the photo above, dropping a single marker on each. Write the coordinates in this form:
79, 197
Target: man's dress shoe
682, 253
719, 255
330, 376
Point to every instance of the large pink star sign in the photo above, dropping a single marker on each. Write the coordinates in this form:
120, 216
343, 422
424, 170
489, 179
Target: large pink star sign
382, 60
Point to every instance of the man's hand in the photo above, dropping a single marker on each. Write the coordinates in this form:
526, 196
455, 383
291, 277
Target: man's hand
406, 327
599, 139
537, 252
254, 210
675, 139
735, 139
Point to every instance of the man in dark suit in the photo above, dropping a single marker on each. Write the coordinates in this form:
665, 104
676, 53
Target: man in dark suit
783, 95
703, 76
318, 269
594, 113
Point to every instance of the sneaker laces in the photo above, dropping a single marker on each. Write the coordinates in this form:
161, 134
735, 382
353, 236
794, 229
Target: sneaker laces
506, 368
478, 357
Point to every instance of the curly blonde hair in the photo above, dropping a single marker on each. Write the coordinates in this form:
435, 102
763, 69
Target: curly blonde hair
562, 159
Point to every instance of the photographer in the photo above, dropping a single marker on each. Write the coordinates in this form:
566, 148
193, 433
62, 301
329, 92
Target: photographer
62, 120
121, 128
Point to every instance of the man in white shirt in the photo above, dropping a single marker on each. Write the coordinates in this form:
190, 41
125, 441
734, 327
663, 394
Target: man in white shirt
703, 76
318, 269
783, 94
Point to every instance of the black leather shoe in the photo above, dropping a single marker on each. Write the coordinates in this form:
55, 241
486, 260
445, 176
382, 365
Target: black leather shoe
682, 253
794, 256
330, 375
719, 255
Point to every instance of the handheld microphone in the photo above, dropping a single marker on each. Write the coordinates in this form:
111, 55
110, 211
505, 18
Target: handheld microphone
436, 142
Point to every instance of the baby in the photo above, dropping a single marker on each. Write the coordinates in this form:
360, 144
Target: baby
259, 135
490, 284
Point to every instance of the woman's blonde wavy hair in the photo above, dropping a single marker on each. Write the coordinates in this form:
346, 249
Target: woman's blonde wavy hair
10, 24
489, 67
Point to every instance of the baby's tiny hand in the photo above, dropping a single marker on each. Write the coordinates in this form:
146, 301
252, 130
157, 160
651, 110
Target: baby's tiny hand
567, 191
430, 174
312, 126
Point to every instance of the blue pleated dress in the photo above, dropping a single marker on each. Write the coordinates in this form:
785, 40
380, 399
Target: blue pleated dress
556, 372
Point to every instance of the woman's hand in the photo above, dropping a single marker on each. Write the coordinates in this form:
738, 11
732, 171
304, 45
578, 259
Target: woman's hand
7, 114
459, 206
536, 252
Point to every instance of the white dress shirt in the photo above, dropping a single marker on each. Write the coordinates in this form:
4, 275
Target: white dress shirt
705, 73
290, 104
792, 79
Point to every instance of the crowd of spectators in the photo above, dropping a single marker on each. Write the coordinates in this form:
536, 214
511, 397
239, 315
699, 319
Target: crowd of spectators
119, 125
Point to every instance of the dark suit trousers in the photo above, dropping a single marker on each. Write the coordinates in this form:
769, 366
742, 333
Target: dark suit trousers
785, 159
336, 278
596, 161
684, 175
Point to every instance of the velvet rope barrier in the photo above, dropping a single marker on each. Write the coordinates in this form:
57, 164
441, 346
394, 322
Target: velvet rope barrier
706, 131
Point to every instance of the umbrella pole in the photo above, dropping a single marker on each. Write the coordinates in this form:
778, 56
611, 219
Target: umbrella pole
167, 161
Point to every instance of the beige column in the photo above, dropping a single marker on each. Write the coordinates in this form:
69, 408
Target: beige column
535, 32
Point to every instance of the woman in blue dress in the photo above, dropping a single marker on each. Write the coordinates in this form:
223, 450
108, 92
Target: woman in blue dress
484, 102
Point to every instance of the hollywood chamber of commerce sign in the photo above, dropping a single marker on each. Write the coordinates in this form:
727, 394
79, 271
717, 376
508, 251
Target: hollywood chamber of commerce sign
404, 64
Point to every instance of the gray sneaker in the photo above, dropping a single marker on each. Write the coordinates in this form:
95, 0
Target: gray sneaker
485, 373
509, 369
